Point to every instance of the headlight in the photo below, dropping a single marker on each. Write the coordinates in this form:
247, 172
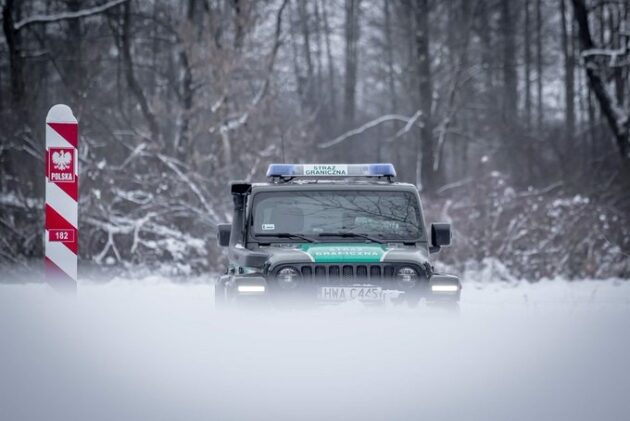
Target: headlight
407, 277
287, 277
444, 288
251, 288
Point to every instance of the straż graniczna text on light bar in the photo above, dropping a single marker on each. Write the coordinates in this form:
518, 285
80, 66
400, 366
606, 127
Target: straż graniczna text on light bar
331, 170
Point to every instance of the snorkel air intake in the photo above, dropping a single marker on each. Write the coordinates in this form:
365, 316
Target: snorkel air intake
240, 190
243, 257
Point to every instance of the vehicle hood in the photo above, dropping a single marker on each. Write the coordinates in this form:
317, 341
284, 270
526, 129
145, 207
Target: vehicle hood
346, 253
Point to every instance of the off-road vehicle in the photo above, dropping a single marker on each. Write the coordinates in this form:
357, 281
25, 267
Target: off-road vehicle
328, 233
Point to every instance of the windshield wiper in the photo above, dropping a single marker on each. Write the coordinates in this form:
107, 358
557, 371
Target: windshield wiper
288, 235
347, 234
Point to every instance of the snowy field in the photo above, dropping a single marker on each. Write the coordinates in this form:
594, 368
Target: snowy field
156, 350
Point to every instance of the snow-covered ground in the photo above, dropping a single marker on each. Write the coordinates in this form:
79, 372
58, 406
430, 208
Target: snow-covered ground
156, 350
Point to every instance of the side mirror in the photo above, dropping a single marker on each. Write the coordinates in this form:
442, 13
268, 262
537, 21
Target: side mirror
440, 237
223, 234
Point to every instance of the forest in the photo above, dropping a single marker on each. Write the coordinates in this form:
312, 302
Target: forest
511, 116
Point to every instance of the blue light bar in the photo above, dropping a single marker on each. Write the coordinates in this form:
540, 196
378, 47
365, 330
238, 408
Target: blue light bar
331, 170
281, 170
382, 170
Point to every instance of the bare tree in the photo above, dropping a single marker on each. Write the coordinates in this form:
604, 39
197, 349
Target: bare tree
618, 119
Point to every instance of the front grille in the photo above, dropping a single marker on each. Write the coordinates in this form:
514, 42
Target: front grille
348, 273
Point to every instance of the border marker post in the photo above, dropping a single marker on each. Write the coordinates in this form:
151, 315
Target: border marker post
62, 195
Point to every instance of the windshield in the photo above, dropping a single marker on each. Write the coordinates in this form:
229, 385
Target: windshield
323, 215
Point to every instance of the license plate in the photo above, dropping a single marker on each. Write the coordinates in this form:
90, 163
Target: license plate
350, 293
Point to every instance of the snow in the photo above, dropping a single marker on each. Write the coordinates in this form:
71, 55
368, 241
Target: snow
153, 349
10, 199
60, 113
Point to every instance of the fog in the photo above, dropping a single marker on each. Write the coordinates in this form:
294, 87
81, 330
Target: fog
159, 350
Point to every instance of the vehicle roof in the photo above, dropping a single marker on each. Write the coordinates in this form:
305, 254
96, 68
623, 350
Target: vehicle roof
319, 184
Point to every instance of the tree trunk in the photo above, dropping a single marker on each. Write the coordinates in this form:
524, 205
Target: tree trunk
306, 37
510, 88
528, 91
332, 91
487, 52
539, 66
183, 139
182, 148
351, 57
15, 59
467, 91
239, 30
426, 176
318, 83
527, 57
309, 92
569, 84
299, 78
389, 53
73, 65
619, 71
134, 86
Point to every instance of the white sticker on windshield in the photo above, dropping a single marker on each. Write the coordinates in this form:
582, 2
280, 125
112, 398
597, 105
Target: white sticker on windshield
268, 227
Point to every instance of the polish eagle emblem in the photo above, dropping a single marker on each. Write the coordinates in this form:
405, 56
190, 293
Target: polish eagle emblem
61, 160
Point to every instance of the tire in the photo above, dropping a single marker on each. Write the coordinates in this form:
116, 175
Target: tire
220, 300
412, 300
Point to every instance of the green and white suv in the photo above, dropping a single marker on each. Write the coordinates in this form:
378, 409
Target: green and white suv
328, 233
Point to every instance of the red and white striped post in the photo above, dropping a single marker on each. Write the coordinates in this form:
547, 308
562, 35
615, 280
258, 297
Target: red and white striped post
62, 195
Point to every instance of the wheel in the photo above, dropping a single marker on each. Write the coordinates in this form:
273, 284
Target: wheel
220, 298
412, 299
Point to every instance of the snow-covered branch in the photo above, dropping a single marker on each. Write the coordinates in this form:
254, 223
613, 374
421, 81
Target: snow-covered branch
409, 122
613, 55
172, 164
159, 235
67, 15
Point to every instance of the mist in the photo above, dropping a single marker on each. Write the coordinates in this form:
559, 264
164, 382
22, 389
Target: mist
154, 349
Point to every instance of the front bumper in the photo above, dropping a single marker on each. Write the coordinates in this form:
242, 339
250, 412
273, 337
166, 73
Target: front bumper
437, 288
